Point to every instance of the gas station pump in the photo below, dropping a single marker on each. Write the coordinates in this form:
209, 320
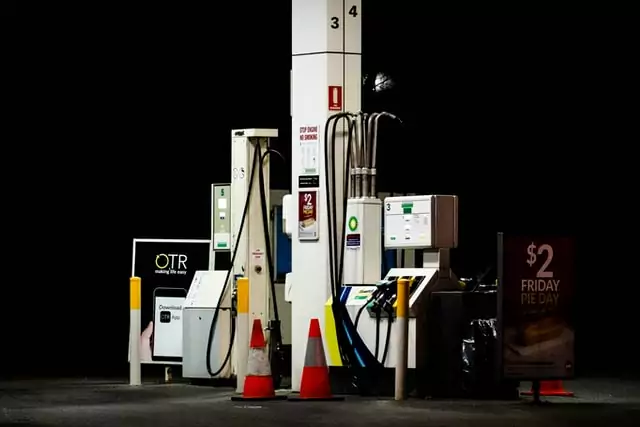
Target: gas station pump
333, 217
241, 222
411, 222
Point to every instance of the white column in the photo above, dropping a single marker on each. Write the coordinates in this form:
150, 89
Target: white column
212, 247
240, 165
251, 259
326, 79
257, 266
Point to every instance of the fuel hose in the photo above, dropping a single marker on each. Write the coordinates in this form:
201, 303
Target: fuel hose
216, 313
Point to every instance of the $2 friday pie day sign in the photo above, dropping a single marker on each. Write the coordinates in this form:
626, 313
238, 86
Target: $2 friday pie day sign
544, 289
536, 285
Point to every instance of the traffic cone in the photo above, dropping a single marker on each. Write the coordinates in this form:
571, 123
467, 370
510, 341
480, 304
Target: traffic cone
550, 388
258, 383
315, 383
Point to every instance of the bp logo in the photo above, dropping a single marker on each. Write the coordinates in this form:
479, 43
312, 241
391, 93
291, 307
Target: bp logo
353, 223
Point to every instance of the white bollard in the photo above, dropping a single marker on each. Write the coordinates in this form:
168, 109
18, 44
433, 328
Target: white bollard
135, 377
402, 338
242, 332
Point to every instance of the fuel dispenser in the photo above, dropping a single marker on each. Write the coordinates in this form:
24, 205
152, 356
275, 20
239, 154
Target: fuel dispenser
411, 222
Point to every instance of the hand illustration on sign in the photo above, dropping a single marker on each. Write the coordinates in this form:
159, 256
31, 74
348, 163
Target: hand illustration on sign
145, 343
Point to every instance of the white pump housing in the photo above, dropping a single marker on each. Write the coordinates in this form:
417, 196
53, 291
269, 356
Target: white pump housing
287, 217
428, 222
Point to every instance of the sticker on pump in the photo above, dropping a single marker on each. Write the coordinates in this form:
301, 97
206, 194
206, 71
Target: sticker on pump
363, 294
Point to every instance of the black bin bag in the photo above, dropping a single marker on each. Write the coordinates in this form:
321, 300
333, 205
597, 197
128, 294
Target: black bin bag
480, 378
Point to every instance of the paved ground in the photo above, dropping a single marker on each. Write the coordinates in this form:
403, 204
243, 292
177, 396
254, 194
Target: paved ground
102, 403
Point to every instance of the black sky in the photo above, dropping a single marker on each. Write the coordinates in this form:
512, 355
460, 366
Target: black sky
525, 119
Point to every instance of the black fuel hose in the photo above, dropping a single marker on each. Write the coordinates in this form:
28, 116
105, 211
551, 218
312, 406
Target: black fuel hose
330, 194
345, 196
339, 312
229, 349
216, 313
354, 353
347, 336
377, 343
388, 337
265, 227
364, 306
330, 171
378, 318
275, 338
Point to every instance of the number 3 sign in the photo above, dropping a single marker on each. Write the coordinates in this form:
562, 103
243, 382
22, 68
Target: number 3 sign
335, 21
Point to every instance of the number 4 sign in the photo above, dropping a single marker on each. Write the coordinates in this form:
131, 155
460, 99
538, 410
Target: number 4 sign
335, 21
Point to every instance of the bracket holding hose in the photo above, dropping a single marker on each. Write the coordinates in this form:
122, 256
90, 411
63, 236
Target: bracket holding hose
234, 302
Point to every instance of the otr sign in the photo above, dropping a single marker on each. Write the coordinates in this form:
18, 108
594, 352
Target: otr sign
170, 263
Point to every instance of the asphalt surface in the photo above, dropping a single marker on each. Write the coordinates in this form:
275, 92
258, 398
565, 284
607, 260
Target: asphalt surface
106, 403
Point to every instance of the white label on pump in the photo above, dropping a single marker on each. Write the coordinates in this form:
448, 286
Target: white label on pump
309, 149
258, 257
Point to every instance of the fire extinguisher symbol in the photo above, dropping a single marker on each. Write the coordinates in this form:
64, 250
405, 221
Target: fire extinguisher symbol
335, 98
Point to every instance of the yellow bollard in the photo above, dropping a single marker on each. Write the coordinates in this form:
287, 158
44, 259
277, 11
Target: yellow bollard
242, 332
135, 296
402, 338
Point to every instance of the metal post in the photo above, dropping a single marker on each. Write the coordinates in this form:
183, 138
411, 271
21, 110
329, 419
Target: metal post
536, 392
242, 332
134, 330
402, 342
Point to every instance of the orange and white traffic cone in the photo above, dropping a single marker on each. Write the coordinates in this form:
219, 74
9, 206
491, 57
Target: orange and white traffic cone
550, 388
315, 383
258, 382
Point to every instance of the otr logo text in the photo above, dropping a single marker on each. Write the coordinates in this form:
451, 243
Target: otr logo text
171, 261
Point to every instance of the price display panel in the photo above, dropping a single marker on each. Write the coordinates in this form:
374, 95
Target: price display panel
535, 313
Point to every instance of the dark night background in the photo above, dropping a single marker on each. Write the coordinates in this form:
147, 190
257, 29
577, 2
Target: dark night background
7, 8
526, 119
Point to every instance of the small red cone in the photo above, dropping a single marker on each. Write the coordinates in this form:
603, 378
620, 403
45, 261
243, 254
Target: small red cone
550, 388
258, 383
315, 383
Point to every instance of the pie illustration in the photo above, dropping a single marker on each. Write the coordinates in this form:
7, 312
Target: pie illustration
542, 330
